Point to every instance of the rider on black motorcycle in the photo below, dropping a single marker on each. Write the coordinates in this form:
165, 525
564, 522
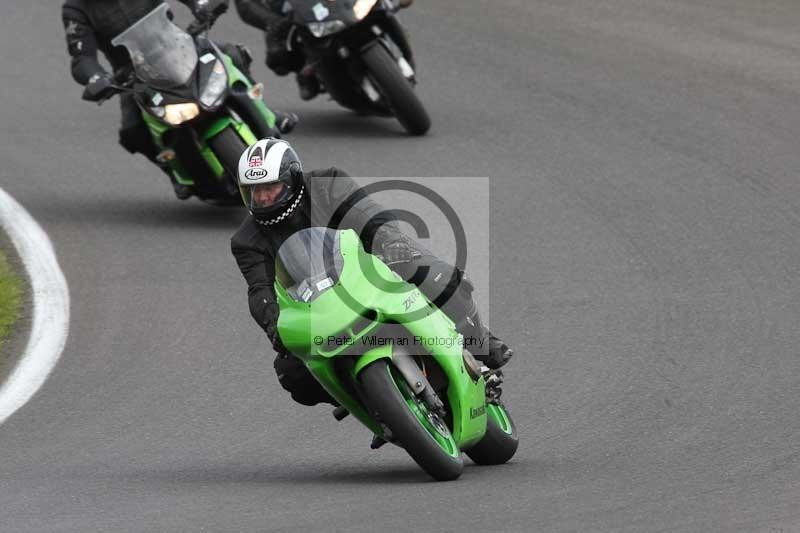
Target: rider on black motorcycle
282, 200
269, 15
90, 26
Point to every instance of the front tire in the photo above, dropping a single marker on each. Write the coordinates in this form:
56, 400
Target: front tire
427, 442
397, 90
228, 147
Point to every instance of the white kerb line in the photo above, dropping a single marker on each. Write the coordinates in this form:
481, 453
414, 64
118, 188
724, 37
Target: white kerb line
50, 296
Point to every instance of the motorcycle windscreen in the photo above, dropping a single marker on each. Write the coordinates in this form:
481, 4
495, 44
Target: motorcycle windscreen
309, 263
163, 55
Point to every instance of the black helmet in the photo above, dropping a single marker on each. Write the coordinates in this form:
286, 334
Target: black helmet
271, 180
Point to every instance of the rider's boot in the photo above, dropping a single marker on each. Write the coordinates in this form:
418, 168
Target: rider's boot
285, 121
308, 83
499, 352
182, 192
480, 342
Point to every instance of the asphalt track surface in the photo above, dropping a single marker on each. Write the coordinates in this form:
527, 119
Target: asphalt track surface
644, 162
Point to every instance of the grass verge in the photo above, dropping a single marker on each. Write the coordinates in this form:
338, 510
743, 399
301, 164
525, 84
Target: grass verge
10, 298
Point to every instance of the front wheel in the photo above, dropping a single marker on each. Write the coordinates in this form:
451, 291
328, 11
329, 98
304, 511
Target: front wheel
500, 442
423, 434
397, 90
228, 147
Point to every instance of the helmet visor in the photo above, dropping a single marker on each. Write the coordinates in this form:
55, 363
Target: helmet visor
264, 199
265, 195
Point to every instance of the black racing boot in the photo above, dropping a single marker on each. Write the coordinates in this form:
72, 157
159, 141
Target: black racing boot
308, 83
182, 192
285, 121
499, 353
479, 341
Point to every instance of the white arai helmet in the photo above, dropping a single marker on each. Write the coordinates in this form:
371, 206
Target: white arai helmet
271, 180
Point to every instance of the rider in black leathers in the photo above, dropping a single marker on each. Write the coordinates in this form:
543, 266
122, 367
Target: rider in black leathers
312, 199
90, 25
269, 15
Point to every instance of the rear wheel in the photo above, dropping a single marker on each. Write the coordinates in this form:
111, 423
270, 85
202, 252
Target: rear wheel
422, 433
500, 442
397, 90
228, 147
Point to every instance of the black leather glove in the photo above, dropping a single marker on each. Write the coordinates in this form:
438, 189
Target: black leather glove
275, 339
278, 61
99, 87
398, 252
271, 327
209, 10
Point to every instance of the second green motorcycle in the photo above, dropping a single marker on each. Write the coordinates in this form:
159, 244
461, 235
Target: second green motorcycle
200, 109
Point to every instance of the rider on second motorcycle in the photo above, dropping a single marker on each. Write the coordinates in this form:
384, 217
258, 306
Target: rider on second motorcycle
285, 200
270, 16
90, 25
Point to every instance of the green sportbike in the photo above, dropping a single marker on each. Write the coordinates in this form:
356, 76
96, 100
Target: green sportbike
201, 110
387, 355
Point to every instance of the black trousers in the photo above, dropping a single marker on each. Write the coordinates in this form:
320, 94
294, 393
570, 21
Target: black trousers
441, 282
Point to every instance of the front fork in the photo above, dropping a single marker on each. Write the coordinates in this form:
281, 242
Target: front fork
466, 393
399, 37
395, 42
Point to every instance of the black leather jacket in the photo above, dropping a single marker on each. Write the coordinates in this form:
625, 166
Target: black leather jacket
255, 246
90, 26
261, 14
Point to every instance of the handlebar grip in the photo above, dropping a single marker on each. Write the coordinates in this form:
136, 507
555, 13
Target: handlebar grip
123, 75
91, 96
196, 27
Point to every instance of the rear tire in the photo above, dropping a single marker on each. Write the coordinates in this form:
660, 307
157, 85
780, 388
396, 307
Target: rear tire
228, 147
500, 442
385, 401
397, 90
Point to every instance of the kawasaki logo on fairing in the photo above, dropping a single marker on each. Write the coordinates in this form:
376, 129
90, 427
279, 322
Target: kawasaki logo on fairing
255, 173
475, 413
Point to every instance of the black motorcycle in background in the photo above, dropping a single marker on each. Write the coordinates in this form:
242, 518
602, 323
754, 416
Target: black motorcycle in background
360, 53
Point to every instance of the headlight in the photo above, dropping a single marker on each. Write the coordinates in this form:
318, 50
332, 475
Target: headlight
362, 8
176, 114
215, 86
321, 29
